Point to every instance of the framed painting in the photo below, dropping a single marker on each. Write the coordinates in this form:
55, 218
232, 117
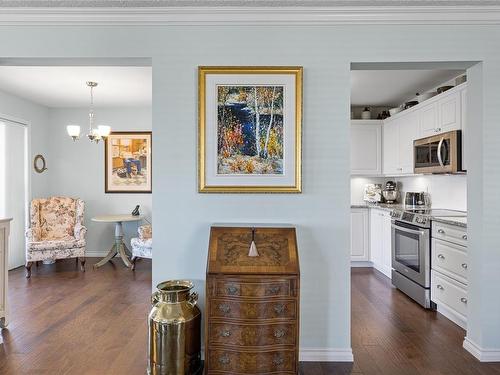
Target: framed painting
250, 129
127, 162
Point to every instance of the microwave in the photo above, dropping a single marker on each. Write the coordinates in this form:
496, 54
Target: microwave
440, 153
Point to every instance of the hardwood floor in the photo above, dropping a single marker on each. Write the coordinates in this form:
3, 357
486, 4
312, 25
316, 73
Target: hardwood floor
67, 322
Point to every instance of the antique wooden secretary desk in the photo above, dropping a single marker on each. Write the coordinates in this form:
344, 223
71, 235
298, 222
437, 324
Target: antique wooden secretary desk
252, 301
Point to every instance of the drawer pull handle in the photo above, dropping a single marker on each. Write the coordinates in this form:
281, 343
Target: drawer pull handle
440, 256
464, 237
279, 308
224, 308
464, 266
225, 333
273, 290
278, 361
224, 359
279, 333
439, 286
463, 299
441, 231
232, 290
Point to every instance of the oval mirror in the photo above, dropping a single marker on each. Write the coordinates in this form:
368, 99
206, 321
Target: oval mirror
39, 164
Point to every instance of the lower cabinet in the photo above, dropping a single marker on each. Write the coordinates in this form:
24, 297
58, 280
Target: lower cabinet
380, 240
360, 247
449, 271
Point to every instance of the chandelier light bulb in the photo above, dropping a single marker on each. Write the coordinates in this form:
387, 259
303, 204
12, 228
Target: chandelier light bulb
73, 131
104, 130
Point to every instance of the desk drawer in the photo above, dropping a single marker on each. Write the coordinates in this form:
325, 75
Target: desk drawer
265, 309
253, 288
246, 334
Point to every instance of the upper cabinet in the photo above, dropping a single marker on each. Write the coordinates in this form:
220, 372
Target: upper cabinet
389, 143
366, 147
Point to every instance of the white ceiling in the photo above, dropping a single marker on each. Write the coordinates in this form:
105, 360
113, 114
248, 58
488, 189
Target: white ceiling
393, 87
64, 86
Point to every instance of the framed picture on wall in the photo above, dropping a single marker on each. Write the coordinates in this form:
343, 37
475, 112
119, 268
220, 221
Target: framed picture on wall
250, 129
127, 162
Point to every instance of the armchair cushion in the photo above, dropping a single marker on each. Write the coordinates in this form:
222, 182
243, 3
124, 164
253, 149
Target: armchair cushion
56, 218
55, 245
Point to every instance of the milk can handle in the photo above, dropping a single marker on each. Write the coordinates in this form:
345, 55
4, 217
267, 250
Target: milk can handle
155, 298
193, 299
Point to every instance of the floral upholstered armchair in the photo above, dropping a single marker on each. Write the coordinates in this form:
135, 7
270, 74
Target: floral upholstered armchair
142, 246
56, 232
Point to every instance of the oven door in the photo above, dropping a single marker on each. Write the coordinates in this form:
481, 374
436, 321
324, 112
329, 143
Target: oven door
411, 252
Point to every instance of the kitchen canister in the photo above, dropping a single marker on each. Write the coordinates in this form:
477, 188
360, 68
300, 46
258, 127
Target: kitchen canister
366, 114
174, 330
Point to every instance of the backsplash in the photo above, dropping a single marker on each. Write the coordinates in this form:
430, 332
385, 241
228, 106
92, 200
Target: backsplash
446, 191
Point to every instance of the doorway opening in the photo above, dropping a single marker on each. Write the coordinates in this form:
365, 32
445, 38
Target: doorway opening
409, 177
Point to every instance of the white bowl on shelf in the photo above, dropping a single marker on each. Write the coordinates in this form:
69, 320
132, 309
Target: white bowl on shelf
394, 110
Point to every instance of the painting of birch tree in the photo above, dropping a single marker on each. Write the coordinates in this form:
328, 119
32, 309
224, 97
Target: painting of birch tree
250, 130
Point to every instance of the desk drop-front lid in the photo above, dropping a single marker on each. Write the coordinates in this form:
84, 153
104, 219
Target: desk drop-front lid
229, 249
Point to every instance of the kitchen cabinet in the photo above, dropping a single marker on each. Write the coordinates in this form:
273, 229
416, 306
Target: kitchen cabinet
463, 97
450, 114
380, 240
399, 135
428, 120
391, 148
449, 271
360, 247
366, 147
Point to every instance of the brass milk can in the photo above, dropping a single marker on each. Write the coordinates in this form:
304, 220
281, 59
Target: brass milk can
174, 330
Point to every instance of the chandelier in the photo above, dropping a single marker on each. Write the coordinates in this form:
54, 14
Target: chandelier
95, 134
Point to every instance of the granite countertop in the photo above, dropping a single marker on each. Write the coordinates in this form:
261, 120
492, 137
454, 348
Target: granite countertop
458, 221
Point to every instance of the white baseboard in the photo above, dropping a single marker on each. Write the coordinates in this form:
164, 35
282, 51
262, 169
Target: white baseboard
361, 263
484, 355
451, 314
387, 271
325, 355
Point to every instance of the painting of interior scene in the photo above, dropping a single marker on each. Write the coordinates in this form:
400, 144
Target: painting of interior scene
130, 159
250, 130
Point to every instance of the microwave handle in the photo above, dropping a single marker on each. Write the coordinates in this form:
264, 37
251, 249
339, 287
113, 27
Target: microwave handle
440, 159
397, 227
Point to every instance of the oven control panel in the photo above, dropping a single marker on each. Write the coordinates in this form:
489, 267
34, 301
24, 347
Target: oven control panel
411, 218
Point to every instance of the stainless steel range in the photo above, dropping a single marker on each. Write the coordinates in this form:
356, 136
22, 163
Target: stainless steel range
411, 250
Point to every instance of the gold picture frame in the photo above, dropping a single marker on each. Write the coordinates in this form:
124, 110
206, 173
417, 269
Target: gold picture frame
248, 166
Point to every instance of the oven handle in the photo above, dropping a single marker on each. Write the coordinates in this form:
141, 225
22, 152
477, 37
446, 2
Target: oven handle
440, 159
397, 227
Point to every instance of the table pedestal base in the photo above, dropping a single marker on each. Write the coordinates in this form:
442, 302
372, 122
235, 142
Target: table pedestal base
118, 248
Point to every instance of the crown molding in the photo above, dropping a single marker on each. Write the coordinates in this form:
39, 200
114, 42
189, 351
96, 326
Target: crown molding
238, 16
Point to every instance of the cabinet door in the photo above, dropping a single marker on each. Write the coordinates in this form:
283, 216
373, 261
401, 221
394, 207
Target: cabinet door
3, 270
463, 97
428, 119
366, 149
408, 132
386, 253
359, 234
390, 145
375, 237
450, 113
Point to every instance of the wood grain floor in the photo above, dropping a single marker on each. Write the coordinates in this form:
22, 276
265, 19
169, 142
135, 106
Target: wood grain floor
94, 323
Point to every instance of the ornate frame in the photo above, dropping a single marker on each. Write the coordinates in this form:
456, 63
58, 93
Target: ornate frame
203, 71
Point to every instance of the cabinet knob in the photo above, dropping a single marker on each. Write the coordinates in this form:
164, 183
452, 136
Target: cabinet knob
224, 359
224, 308
225, 333
464, 237
463, 299
441, 231
273, 290
440, 287
278, 360
279, 333
464, 266
279, 308
440, 256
